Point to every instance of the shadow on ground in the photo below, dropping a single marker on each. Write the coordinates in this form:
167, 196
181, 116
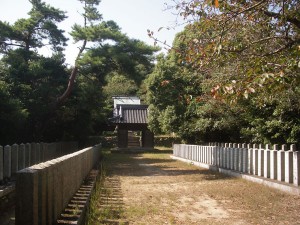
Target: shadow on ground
157, 163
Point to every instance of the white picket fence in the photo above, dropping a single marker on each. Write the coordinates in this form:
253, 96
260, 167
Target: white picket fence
281, 164
17, 157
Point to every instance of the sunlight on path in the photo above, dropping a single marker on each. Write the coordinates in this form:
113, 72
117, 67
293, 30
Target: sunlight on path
151, 188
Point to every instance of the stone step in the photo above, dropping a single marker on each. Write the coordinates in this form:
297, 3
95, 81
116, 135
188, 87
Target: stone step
114, 221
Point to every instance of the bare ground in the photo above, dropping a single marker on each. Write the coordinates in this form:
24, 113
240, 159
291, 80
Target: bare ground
155, 189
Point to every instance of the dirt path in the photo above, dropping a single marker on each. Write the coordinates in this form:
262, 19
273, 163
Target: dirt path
159, 190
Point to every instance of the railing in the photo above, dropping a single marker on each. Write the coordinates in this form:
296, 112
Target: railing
44, 190
281, 164
17, 157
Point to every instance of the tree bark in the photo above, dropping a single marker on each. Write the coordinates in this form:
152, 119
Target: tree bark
61, 99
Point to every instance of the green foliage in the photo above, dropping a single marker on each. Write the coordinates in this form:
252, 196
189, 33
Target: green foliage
119, 63
30, 84
254, 43
177, 104
119, 85
238, 62
12, 115
180, 102
36, 31
166, 141
274, 122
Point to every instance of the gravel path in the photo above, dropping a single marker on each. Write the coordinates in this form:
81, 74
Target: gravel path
159, 190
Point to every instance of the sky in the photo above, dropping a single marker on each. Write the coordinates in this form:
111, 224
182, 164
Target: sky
134, 17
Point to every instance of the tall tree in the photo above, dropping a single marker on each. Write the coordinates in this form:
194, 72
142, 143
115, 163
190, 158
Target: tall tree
179, 103
83, 33
38, 30
256, 43
32, 80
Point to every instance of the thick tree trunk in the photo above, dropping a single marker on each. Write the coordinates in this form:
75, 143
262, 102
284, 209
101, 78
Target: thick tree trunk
61, 99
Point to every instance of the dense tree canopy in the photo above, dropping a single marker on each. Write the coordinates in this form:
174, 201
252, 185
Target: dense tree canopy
38, 30
244, 58
179, 103
255, 43
35, 103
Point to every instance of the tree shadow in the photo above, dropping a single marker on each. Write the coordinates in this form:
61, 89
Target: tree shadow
138, 165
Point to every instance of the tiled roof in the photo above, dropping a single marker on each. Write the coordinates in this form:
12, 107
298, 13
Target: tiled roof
133, 114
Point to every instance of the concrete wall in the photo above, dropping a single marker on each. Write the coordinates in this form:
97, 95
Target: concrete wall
17, 157
281, 164
44, 190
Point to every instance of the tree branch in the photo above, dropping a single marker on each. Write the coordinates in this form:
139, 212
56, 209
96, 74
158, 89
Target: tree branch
61, 99
235, 14
290, 19
10, 44
287, 45
256, 42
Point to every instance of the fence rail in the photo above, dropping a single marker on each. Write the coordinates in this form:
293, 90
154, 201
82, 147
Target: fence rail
44, 190
281, 164
17, 157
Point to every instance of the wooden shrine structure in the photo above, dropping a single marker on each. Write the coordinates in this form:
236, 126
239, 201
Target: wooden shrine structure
130, 116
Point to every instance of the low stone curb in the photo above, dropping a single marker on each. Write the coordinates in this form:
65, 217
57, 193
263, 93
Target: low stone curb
288, 188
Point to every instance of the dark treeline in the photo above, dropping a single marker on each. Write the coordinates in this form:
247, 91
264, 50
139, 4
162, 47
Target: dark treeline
31, 84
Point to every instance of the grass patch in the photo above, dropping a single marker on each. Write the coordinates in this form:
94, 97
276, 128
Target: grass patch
103, 204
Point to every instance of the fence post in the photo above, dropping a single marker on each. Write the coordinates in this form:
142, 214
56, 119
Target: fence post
27, 154
209, 150
14, 159
181, 148
46, 152
7, 162
240, 158
280, 164
288, 159
273, 162
228, 156
221, 152
214, 155
236, 153
205, 154
38, 153
255, 160
27, 197
227, 153
33, 154
43, 154
267, 162
250, 159
1, 163
217, 155
245, 158
296, 166
21, 157
58, 149
194, 152
260, 161
198, 153
231, 156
